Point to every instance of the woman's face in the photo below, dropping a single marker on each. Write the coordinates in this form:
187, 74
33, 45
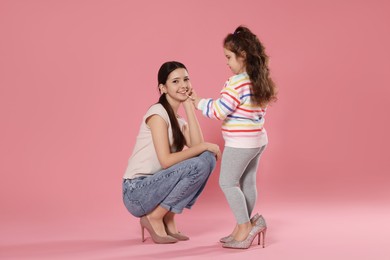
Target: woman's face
236, 64
178, 85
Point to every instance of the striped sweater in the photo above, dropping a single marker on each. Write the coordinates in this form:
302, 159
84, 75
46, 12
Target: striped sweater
243, 121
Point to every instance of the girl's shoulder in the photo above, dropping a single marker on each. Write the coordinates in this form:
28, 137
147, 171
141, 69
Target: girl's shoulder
238, 79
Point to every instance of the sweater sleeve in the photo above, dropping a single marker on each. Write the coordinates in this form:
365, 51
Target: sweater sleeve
223, 106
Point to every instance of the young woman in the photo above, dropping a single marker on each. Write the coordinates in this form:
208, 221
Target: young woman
242, 106
162, 178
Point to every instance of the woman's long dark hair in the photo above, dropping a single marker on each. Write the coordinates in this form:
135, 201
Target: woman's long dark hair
245, 44
179, 140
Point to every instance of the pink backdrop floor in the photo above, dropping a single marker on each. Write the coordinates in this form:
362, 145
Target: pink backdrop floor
296, 231
77, 76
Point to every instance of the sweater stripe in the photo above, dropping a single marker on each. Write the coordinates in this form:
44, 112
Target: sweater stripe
243, 85
243, 120
242, 130
235, 99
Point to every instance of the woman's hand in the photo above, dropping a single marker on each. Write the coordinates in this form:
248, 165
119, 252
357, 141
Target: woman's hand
189, 93
193, 96
214, 148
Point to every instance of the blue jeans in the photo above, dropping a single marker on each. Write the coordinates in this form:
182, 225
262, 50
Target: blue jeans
174, 188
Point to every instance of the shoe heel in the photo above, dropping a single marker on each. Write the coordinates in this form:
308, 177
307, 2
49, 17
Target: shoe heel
143, 233
156, 238
263, 233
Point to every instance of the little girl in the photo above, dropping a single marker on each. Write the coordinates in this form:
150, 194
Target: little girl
242, 105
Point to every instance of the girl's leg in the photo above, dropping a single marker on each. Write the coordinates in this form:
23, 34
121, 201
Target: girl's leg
248, 182
234, 163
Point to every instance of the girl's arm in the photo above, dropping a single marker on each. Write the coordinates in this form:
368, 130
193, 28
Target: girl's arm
220, 108
159, 130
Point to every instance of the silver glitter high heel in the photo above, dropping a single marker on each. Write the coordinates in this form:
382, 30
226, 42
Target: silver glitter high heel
254, 219
263, 225
257, 230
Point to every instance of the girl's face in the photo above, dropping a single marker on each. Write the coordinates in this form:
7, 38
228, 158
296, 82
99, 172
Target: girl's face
178, 85
236, 64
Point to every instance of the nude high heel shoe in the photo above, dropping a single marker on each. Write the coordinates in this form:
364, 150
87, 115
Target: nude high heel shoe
230, 237
156, 238
178, 235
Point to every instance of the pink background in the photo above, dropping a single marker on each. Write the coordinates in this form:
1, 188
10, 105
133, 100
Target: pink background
76, 78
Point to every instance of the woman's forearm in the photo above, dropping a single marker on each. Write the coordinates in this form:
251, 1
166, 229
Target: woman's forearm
174, 158
195, 131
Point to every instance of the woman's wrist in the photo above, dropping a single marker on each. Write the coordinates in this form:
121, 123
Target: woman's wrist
206, 147
188, 105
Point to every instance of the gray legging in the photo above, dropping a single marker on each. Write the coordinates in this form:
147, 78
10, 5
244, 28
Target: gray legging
238, 180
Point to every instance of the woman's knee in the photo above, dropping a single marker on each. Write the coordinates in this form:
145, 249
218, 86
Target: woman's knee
202, 165
208, 160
